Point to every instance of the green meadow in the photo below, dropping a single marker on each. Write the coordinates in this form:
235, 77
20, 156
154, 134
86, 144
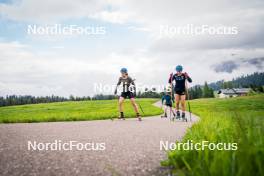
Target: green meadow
73, 111
235, 120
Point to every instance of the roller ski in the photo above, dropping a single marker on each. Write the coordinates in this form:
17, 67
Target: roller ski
183, 117
178, 115
164, 116
121, 117
139, 117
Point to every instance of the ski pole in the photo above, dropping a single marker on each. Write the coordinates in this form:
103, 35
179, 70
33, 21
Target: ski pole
138, 102
172, 97
140, 108
117, 104
188, 101
170, 114
171, 85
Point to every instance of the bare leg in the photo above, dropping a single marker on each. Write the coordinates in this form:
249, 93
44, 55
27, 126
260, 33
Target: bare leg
177, 108
134, 104
120, 104
183, 103
171, 109
177, 101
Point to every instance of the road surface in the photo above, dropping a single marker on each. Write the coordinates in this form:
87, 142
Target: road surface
131, 147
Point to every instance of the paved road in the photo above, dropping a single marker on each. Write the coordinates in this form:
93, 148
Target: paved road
132, 147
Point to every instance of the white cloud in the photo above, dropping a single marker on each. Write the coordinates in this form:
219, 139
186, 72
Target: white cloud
112, 16
49, 11
25, 72
135, 28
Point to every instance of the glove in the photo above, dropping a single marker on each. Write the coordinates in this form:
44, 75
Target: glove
170, 79
186, 75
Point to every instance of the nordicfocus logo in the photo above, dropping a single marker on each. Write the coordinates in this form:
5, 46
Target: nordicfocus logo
190, 29
107, 88
189, 145
59, 29
71, 145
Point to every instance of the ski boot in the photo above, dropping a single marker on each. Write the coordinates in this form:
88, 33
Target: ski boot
121, 116
139, 117
183, 117
178, 115
164, 116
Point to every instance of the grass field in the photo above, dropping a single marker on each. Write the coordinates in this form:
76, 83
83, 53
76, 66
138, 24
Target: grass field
73, 111
237, 120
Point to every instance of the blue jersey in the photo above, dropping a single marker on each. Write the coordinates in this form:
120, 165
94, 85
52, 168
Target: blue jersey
167, 98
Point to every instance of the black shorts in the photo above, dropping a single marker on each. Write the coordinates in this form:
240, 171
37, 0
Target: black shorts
168, 104
180, 92
127, 94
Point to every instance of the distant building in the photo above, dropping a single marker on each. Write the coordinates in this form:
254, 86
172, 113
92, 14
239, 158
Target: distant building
227, 93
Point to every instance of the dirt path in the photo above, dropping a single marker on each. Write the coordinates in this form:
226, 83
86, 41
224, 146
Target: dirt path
132, 147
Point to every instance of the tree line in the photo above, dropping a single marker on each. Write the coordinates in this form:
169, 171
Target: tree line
254, 81
201, 91
10, 100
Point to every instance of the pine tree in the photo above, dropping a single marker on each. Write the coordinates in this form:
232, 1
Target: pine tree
207, 91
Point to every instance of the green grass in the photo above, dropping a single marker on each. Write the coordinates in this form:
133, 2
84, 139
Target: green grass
73, 111
237, 120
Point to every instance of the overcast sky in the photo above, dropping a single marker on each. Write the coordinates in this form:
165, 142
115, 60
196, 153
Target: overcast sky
64, 65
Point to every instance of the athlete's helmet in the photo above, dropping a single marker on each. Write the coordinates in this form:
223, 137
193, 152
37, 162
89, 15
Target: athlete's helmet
168, 88
179, 68
123, 70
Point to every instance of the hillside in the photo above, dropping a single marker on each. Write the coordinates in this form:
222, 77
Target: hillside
245, 81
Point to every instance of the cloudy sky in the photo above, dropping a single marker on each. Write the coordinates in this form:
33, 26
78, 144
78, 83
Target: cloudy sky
58, 64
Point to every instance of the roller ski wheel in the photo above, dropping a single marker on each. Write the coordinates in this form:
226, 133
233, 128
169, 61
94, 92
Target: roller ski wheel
183, 117
165, 116
121, 118
139, 117
178, 115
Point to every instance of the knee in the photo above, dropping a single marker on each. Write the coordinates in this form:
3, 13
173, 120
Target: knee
134, 104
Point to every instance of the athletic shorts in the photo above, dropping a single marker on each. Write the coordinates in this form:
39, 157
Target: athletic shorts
127, 95
168, 104
179, 92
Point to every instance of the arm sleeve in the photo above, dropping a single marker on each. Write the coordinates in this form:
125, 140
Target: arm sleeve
171, 79
119, 82
189, 79
133, 83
